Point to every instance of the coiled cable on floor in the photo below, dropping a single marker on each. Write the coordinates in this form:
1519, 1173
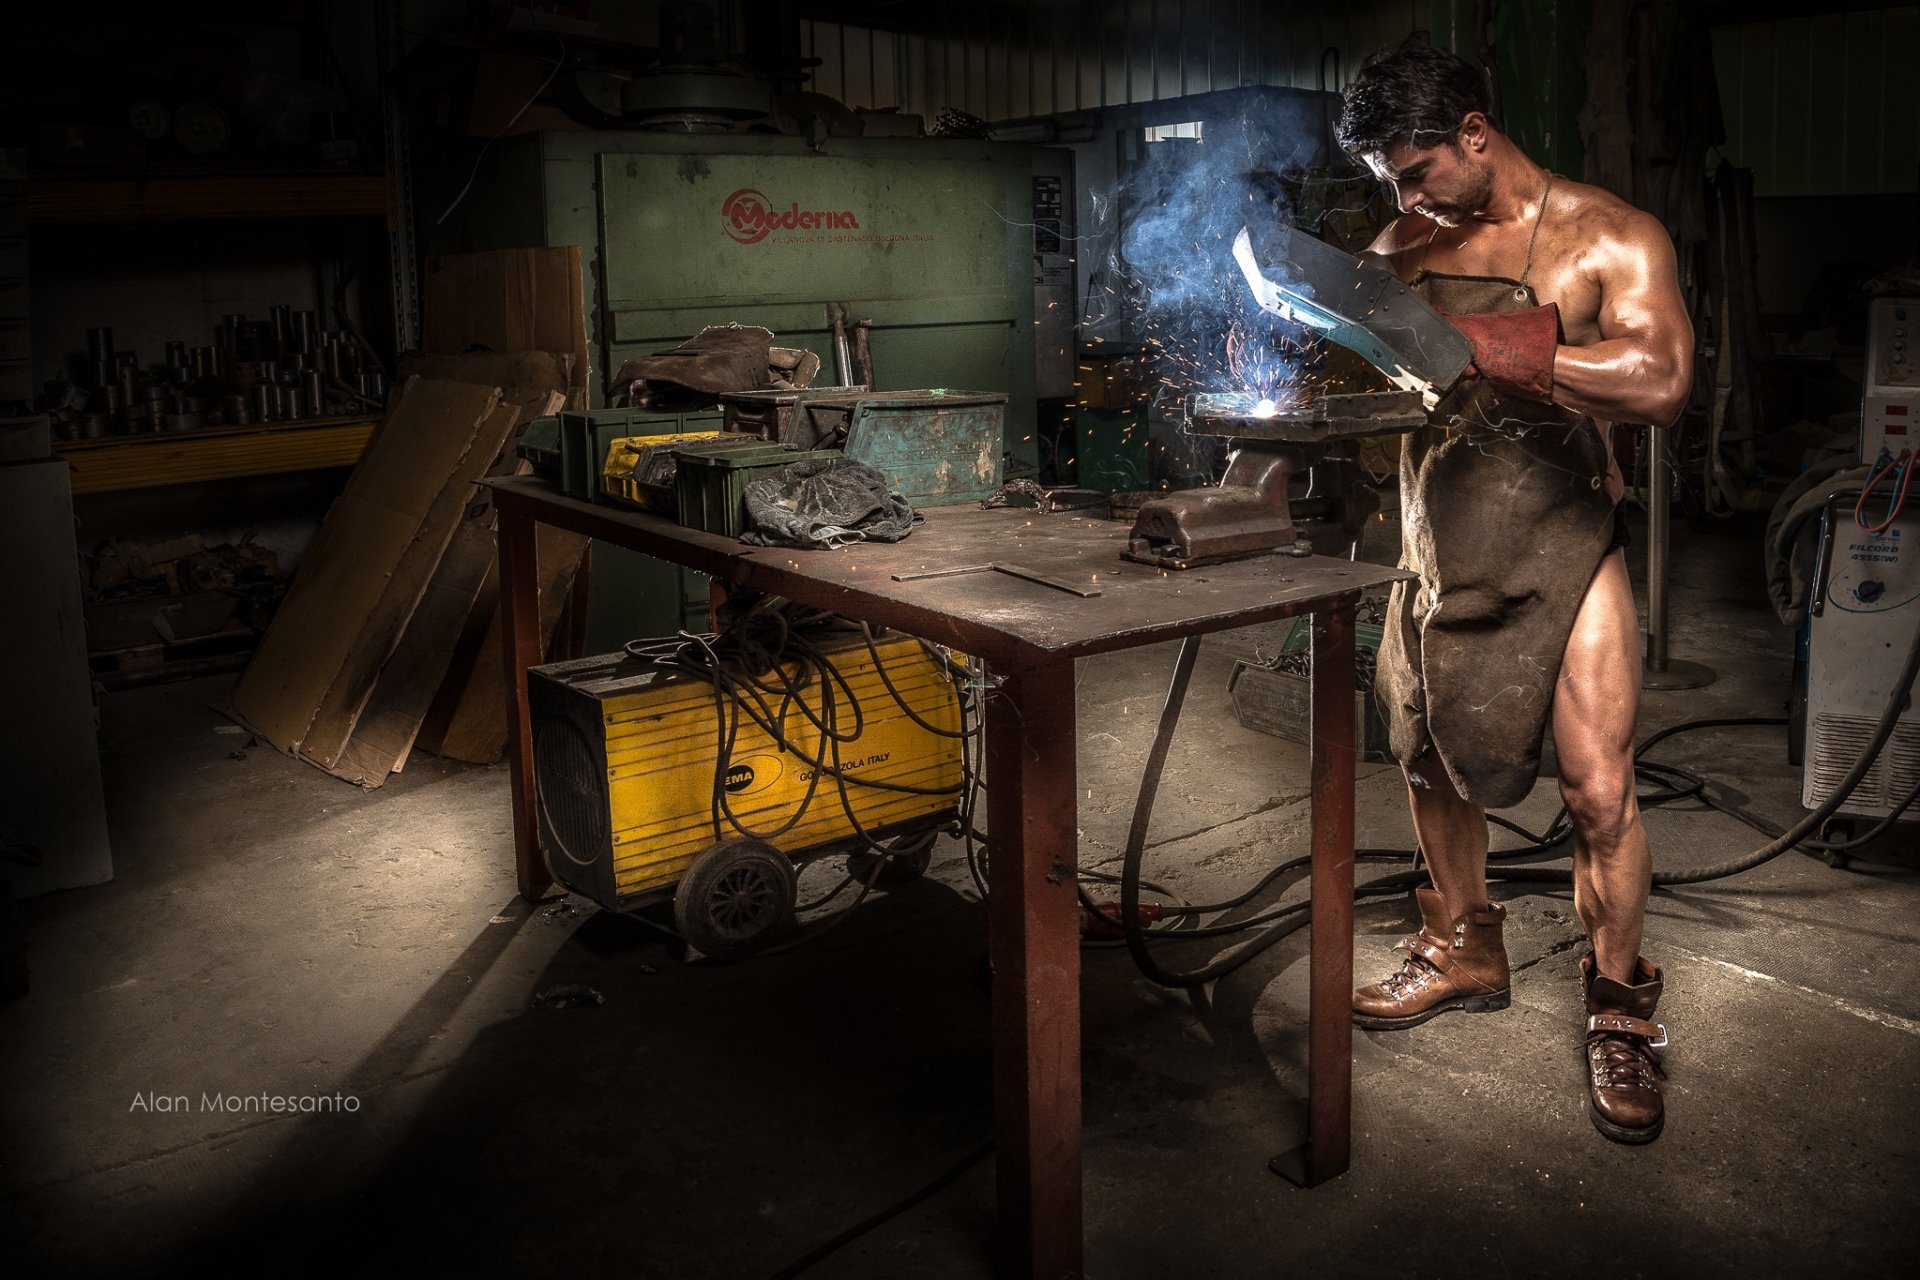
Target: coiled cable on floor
1286, 920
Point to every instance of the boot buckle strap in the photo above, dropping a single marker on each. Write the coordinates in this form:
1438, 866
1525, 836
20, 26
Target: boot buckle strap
1434, 953
1654, 1033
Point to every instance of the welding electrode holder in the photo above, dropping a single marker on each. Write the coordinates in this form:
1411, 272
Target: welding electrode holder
1355, 304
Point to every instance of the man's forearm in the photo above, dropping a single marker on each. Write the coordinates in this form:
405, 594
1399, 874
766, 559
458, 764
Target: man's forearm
1622, 380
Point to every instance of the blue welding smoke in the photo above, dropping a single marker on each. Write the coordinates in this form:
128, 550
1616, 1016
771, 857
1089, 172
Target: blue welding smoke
1171, 272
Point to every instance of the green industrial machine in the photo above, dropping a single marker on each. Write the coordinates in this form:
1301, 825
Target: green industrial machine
929, 240
1110, 450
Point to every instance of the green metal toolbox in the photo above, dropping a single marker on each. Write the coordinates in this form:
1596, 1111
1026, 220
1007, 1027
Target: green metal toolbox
936, 446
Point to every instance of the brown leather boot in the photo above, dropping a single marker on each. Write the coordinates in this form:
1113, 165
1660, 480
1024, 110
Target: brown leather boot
1623, 1071
1458, 964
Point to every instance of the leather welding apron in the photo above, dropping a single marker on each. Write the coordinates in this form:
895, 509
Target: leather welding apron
1505, 515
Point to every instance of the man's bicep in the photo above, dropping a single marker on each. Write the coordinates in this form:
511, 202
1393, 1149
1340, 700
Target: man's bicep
1640, 289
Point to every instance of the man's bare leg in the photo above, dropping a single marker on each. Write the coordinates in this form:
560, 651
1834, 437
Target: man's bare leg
1594, 712
1453, 836
1458, 960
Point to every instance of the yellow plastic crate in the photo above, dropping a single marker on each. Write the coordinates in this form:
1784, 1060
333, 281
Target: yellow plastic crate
621, 474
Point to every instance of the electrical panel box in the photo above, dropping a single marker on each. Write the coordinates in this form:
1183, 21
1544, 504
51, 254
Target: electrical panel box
1861, 623
1890, 409
1056, 310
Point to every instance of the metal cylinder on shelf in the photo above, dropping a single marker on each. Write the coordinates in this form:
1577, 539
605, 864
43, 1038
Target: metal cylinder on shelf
100, 345
235, 411
255, 341
295, 400
306, 325
281, 318
264, 402
314, 386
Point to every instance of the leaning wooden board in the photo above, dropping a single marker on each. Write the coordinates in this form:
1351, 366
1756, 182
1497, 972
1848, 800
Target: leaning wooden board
319, 640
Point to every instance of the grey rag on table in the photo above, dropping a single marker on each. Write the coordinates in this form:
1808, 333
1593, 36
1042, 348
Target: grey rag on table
826, 502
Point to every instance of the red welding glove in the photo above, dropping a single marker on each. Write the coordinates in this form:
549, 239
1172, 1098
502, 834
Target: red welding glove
1513, 350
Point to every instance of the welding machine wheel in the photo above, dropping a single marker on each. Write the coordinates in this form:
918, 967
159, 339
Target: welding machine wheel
735, 898
907, 859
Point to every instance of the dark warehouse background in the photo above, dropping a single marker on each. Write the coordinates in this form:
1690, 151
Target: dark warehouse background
246, 247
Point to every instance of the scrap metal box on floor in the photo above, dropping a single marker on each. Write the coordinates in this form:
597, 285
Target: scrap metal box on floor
1277, 697
929, 239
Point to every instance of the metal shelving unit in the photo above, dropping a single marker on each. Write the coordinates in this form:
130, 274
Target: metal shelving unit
118, 463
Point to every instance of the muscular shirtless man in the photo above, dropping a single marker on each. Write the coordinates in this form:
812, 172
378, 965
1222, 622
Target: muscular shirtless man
1522, 613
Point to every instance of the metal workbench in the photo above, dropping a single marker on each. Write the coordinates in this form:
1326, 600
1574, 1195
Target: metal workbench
1029, 634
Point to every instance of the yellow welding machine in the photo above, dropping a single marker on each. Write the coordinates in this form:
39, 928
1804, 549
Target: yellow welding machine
633, 787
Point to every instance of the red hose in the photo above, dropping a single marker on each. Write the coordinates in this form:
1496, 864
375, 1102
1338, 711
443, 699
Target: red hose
1903, 473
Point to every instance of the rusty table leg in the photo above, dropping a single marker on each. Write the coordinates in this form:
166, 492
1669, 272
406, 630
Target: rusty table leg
520, 636
1330, 955
1033, 942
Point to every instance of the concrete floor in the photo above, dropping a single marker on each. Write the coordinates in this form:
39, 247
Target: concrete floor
273, 930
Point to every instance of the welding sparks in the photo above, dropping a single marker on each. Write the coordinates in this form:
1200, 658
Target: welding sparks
1265, 409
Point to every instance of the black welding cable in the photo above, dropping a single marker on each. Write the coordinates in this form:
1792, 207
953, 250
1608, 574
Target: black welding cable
1130, 924
1873, 832
1889, 717
894, 1210
1288, 919
880, 667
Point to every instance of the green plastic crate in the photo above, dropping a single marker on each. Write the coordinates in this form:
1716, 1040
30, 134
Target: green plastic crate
570, 449
540, 446
710, 484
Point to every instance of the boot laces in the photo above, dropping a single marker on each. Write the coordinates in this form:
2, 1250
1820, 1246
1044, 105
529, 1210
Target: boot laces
1414, 973
1621, 1062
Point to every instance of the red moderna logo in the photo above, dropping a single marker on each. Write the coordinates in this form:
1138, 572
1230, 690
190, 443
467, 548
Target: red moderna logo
747, 216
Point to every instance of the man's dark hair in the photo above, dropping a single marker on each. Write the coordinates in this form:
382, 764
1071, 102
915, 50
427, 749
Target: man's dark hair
1416, 94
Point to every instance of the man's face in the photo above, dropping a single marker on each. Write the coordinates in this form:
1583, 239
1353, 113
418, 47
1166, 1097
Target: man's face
1448, 183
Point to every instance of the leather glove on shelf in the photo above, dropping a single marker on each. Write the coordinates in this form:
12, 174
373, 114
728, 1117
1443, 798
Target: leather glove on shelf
1513, 350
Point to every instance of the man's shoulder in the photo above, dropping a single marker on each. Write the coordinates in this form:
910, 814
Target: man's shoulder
1596, 215
1408, 231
